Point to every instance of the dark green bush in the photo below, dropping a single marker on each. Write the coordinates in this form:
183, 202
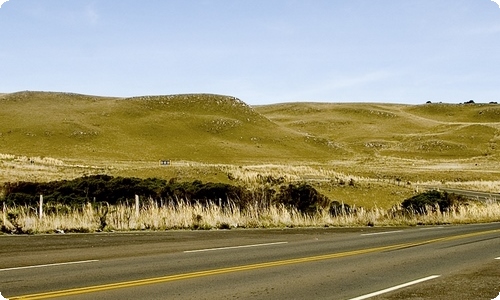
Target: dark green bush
20, 199
113, 190
101, 188
302, 196
196, 191
337, 208
432, 200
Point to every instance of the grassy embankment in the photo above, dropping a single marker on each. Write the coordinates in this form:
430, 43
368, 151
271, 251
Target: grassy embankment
387, 150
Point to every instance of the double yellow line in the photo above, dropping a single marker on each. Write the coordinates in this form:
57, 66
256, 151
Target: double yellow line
163, 279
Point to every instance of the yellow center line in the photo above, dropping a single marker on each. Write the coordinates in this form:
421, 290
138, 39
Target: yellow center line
163, 279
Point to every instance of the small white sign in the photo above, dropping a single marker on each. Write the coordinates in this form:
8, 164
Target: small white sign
497, 298
167, 162
2, 298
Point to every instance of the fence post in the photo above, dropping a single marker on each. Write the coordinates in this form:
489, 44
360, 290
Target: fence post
40, 209
137, 206
4, 210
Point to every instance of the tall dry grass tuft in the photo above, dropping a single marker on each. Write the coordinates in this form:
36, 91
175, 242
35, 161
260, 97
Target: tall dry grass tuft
485, 186
34, 159
256, 174
24, 219
185, 215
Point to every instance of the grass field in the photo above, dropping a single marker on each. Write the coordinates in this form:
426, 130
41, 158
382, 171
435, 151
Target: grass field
385, 150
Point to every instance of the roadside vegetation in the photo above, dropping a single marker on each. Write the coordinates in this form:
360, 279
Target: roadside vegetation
24, 220
72, 206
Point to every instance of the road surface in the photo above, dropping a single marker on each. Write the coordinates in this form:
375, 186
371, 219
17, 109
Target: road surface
441, 262
475, 195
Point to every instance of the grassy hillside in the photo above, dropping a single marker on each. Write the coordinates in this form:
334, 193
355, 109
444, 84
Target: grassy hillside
198, 127
223, 129
431, 131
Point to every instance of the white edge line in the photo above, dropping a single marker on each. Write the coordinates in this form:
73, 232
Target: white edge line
430, 228
50, 265
395, 288
378, 233
235, 247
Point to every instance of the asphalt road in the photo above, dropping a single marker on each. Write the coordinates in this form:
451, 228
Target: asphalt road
475, 195
443, 262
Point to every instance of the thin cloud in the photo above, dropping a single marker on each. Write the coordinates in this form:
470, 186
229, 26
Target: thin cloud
2, 2
494, 29
329, 87
92, 15
359, 80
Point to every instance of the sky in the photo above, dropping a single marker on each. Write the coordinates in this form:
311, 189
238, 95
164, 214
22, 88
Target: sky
260, 51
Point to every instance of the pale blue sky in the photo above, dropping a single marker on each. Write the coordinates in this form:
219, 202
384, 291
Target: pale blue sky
261, 51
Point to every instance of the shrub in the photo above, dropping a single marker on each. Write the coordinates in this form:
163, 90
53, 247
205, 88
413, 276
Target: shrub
20, 199
421, 203
337, 208
303, 197
115, 190
196, 191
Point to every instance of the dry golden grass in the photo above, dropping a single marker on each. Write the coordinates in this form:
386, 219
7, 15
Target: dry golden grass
195, 216
483, 186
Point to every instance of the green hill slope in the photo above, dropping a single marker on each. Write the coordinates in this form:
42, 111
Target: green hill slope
197, 127
223, 129
430, 131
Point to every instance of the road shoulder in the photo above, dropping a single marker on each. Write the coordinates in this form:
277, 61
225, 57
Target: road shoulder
482, 282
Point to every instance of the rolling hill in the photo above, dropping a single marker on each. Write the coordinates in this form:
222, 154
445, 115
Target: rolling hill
430, 131
223, 129
196, 127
